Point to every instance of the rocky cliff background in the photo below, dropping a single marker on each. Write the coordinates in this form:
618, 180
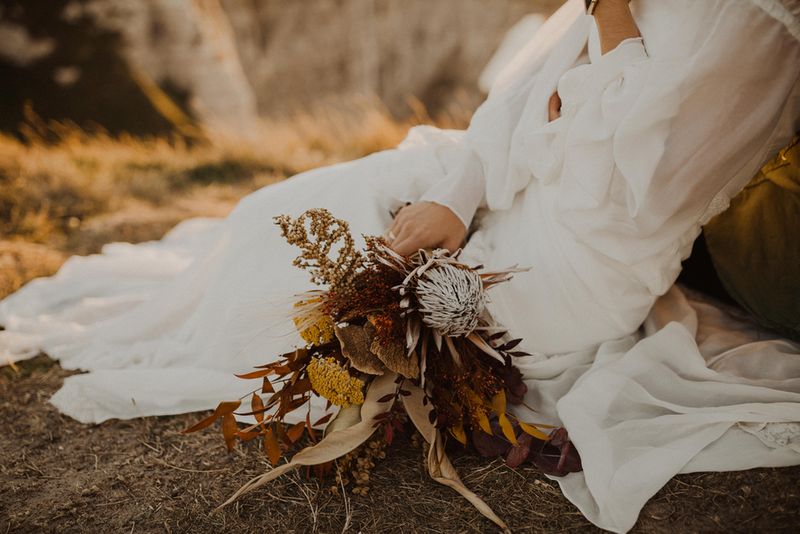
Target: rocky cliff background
146, 66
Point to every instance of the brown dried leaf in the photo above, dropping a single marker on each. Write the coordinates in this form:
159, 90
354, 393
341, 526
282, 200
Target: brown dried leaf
533, 431
511, 344
247, 435
311, 433
489, 446
222, 409
519, 453
457, 432
257, 405
256, 374
507, 428
302, 386
483, 421
393, 355
280, 433
298, 358
272, 447
324, 419
296, 403
355, 341
267, 387
295, 432
282, 370
499, 403
229, 430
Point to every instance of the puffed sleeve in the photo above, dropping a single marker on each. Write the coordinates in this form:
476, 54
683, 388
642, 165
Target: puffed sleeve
462, 189
481, 174
654, 130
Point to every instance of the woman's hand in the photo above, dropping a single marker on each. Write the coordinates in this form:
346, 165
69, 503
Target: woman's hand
426, 225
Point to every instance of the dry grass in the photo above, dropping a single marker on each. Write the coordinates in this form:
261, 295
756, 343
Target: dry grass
60, 177
67, 191
57, 475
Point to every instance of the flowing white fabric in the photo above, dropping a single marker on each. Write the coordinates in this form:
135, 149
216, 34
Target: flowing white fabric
602, 203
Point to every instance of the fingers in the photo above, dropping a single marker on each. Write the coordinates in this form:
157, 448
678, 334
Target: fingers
410, 239
404, 248
407, 244
452, 244
400, 219
395, 230
403, 238
426, 225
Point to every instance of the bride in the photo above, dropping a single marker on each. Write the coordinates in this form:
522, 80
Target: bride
600, 152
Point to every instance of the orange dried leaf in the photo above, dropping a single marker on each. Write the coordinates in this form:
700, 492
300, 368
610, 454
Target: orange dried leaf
507, 428
274, 398
224, 408
280, 433
483, 421
311, 433
324, 419
533, 431
295, 432
258, 407
247, 436
296, 403
302, 386
282, 370
256, 374
499, 403
267, 387
229, 430
272, 447
458, 433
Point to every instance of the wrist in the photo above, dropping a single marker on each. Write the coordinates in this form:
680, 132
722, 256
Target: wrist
603, 7
615, 23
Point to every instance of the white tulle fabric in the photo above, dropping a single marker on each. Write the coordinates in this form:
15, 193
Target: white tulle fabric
602, 203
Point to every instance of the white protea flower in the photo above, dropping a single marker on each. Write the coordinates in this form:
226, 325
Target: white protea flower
450, 298
442, 294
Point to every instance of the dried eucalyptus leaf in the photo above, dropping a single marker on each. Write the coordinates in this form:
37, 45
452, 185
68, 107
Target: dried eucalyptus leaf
519, 452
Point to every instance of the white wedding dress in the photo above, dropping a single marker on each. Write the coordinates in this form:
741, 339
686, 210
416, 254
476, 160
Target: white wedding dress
603, 204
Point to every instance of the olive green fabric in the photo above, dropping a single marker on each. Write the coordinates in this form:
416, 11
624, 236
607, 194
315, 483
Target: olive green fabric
755, 244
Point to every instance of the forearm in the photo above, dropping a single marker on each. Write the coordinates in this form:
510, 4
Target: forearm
615, 23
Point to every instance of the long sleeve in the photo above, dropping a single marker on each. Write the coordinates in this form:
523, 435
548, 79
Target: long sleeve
480, 173
462, 189
656, 129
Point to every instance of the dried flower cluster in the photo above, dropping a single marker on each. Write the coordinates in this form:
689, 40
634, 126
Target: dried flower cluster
320, 235
356, 466
333, 382
388, 339
314, 327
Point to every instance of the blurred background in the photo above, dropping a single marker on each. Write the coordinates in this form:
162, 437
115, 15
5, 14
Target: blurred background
227, 62
120, 118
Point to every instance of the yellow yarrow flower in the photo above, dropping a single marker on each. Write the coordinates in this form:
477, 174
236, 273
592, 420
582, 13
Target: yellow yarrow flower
333, 382
315, 328
318, 333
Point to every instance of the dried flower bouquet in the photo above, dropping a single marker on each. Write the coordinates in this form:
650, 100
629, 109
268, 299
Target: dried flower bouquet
388, 338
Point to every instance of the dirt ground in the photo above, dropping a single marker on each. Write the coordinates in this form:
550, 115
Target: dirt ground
57, 475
